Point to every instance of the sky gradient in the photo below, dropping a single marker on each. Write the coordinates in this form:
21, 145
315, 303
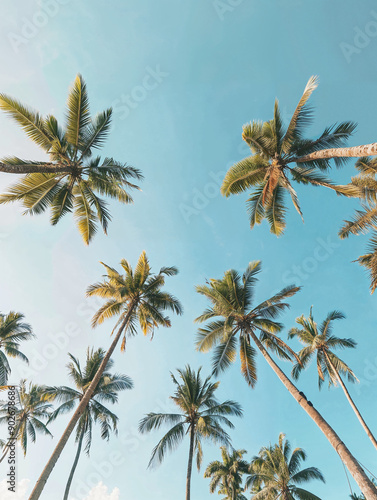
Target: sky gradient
183, 77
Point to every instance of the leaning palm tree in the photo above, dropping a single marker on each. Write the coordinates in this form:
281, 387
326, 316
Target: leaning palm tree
105, 392
201, 417
30, 409
366, 218
277, 473
320, 343
12, 331
232, 317
226, 475
136, 298
282, 155
73, 177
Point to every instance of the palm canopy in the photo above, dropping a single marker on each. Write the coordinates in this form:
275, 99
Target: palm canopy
200, 414
226, 475
274, 147
105, 392
13, 331
365, 219
319, 342
276, 473
232, 314
137, 295
30, 411
73, 177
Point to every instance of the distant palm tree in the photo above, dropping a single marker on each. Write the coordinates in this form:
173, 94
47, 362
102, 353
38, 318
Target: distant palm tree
71, 179
30, 409
268, 171
137, 298
226, 475
365, 219
276, 473
320, 342
201, 417
12, 332
95, 412
232, 317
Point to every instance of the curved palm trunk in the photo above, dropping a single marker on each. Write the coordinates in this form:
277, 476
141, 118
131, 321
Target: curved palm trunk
364, 483
40, 484
189, 466
46, 168
350, 400
352, 152
69, 482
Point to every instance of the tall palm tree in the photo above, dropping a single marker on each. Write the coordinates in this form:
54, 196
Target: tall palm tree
366, 218
232, 315
276, 472
320, 342
281, 155
201, 417
12, 331
72, 178
136, 298
95, 412
30, 410
226, 475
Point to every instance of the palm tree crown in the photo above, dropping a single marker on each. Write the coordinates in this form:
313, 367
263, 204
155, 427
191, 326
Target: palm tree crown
73, 177
276, 472
274, 148
30, 409
95, 412
12, 331
366, 218
226, 475
320, 342
105, 392
136, 293
199, 410
232, 315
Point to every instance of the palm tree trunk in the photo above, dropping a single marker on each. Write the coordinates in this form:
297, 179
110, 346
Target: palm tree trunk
40, 484
350, 400
189, 466
46, 168
352, 152
69, 482
364, 483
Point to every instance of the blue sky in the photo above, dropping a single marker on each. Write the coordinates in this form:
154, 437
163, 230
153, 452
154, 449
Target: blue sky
213, 66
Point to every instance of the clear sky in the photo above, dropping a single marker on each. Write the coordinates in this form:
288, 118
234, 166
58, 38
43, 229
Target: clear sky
213, 66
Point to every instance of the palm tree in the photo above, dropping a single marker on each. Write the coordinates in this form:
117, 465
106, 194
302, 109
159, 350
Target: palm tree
201, 417
12, 332
29, 410
365, 219
95, 412
226, 475
232, 315
136, 297
72, 178
276, 471
269, 170
320, 342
